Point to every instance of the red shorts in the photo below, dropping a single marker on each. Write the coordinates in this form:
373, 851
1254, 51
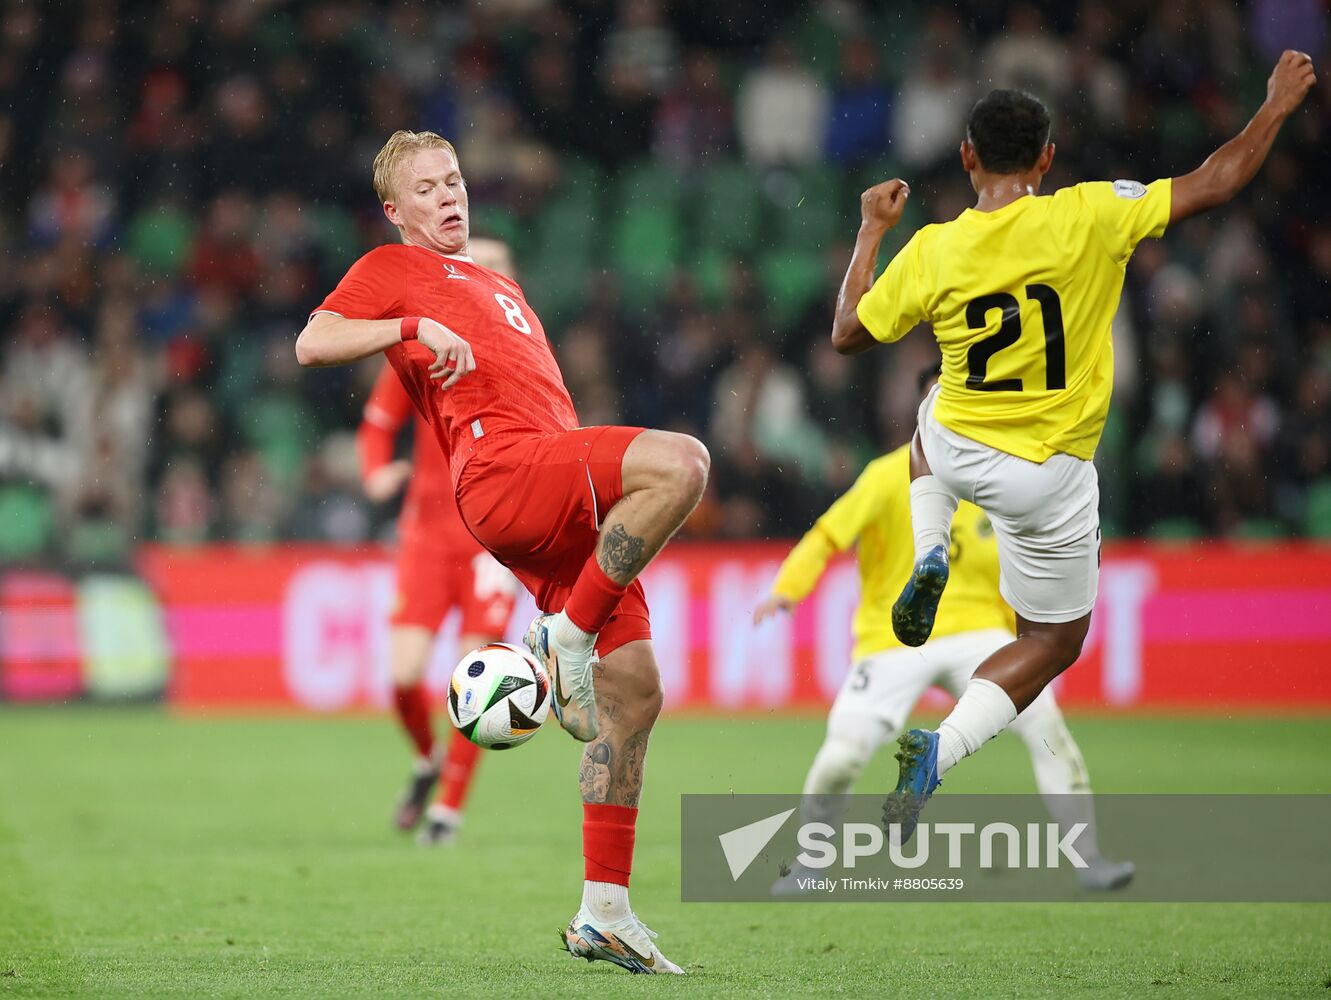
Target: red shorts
431, 582
537, 501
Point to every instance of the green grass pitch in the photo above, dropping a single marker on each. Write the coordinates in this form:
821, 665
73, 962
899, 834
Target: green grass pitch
147, 855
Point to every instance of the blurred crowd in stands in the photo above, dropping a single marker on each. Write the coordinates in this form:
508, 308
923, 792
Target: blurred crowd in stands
182, 181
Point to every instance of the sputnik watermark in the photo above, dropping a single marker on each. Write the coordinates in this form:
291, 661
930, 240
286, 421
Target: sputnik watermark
1032, 845
1039, 845
1176, 848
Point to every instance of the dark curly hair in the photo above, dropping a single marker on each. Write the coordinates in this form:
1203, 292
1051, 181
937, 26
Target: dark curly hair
1008, 129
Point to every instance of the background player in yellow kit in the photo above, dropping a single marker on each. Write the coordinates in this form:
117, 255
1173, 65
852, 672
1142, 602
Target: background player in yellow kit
887, 678
1021, 292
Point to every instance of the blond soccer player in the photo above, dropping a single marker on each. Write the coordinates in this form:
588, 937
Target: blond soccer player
1021, 292
440, 566
887, 678
575, 513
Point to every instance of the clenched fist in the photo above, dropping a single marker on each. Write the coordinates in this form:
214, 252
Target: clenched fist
1290, 81
881, 206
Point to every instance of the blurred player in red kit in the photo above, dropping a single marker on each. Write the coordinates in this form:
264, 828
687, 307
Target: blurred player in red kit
575, 512
440, 566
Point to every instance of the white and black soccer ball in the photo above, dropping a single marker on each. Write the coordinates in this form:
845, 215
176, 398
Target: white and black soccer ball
499, 696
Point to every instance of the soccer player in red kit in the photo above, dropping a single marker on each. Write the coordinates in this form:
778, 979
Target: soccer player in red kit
440, 566
575, 512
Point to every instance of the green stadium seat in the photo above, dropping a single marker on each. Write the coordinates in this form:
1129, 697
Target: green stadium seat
1261, 529
159, 239
500, 223
711, 273
337, 234
281, 429
648, 184
26, 522
580, 181
555, 282
817, 40
1110, 460
646, 248
1317, 510
240, 373
896, 33
567, 226
562, 253
96, 543
817, 213
732, 213
1115, 434
1176, 529
792, 280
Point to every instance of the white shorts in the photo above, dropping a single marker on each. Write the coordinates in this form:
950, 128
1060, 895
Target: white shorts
1046, 518
887, 685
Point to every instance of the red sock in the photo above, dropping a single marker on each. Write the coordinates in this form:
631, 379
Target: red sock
413, 710
607, 842
594, 598
458, 769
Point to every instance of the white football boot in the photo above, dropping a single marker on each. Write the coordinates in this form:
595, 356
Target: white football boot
627, 942
570, 673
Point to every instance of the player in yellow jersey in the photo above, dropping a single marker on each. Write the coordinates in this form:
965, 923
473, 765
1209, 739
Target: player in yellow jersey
887, 677
1021, 291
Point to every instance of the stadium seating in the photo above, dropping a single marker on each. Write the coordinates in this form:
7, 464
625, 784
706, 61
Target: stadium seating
159, 240
26, 522
812, 215
1261, 529
732, 214
792, 280
1317, 512
646, 245
281, 429
1176, 529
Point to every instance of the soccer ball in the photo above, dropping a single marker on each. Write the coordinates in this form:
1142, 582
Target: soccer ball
499, 696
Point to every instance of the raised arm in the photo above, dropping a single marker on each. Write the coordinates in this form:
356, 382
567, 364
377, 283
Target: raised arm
880, 209
1233, 165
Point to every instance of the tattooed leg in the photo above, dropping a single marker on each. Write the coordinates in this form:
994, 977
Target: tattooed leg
594, 776
620, 554
663, 476
628, 694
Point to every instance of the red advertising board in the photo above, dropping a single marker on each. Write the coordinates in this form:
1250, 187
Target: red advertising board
1205, 626
40, 648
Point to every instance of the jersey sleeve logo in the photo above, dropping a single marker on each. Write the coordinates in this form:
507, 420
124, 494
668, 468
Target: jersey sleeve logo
1129, 189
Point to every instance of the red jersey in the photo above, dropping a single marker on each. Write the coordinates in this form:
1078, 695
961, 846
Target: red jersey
430, 510
516, 388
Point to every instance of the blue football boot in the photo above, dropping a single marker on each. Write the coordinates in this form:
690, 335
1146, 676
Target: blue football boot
913, 613
918, 757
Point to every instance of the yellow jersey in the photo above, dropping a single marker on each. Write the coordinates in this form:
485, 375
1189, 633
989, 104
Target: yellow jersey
875, 512
1022, 301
